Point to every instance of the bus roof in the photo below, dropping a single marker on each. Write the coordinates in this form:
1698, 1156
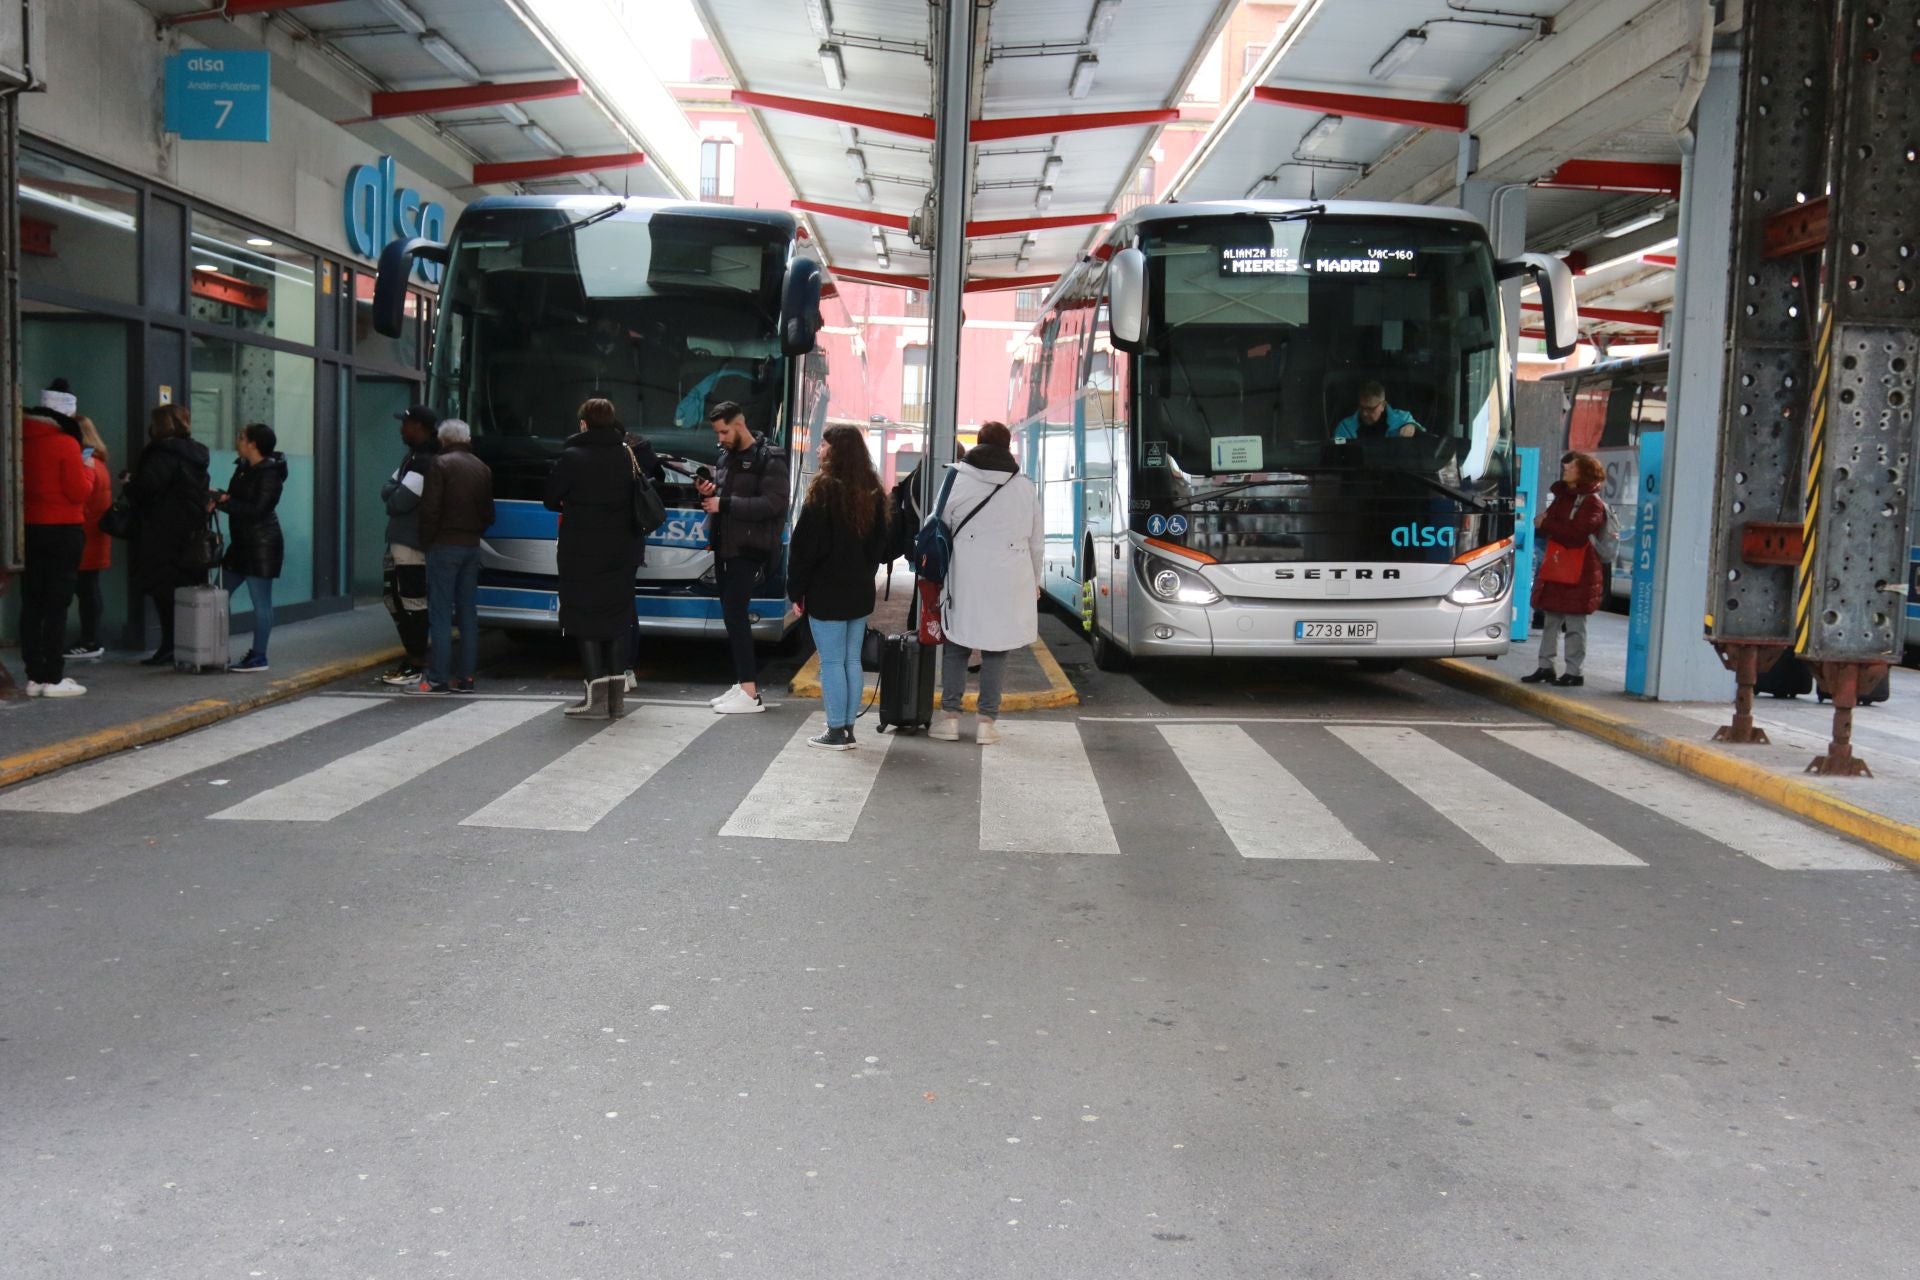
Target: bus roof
1653, 363
637, 208
1332, 209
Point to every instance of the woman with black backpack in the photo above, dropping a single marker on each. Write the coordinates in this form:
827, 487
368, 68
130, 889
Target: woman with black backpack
168, 493
592, 487
838, 540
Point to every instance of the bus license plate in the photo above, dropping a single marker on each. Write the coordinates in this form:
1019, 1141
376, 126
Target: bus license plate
1339, 632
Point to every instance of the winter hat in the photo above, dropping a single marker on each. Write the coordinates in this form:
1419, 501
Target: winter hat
59, 397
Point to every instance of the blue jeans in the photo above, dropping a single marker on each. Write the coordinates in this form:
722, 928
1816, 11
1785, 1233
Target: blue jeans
260, 594
841, 682
453, 594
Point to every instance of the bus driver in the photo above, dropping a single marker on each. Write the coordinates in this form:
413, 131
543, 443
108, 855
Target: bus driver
1374, 418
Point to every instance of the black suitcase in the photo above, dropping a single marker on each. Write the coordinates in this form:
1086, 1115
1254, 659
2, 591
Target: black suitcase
1788, 677
1868, 694
906, 684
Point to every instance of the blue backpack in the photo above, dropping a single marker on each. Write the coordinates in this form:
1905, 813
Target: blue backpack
933, 545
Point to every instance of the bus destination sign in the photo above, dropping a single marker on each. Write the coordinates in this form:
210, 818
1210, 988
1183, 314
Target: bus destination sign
1258, 260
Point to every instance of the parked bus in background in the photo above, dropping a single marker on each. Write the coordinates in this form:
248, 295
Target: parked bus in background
1609, 406
664, 308
1275, 429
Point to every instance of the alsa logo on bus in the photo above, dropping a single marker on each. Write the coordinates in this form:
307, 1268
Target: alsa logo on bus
379, 210
682, 529
1423, 535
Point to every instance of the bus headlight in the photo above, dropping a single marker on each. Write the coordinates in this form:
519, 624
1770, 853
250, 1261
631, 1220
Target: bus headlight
1484, 585
1169, 581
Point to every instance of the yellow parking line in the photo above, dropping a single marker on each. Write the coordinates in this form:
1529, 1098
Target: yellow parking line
1058, 693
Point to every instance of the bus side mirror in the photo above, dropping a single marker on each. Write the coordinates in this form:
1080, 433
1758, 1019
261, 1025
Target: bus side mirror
390, 286
1127, 299
1557, 301
800, 307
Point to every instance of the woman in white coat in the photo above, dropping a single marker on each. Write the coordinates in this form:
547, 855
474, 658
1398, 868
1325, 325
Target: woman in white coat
993, 581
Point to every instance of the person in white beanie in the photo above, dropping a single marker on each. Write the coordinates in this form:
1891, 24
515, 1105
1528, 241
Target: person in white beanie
58, 480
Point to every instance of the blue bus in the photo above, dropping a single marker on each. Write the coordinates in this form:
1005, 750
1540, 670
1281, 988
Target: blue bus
1187, 405
664, 308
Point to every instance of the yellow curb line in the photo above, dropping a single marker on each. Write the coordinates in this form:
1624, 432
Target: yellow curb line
168, 724
1059, 692
1782, 792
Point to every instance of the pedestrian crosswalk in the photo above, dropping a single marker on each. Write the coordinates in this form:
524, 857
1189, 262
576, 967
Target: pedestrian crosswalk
1270, 790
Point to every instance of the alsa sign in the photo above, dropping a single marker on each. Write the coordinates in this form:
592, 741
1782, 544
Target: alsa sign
379, 210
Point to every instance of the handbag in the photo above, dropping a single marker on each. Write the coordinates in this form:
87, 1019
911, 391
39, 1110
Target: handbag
932, 627
1562, 565
649, 512
117, 521
871, 645
205, 549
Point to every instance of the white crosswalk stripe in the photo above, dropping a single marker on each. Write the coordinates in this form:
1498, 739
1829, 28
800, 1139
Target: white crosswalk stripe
1264, 810
131, 772
1512, 825
1038, 793
1773, 839
808, 793
351, 781
583, 786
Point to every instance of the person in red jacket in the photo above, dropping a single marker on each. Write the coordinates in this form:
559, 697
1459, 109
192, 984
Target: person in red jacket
98, 556
1575, 514
57, 483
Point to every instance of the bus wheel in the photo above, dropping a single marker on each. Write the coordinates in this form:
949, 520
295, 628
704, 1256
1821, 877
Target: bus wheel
1107, 655
1380, 666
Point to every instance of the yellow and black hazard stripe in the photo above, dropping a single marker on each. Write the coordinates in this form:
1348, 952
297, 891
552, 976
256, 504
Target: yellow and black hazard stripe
1816, 459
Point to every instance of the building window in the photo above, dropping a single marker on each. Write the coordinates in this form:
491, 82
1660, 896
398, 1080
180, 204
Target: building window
716, 171
1026, 304
78, 231
916, 304
244, 280
1250, 58
913, 384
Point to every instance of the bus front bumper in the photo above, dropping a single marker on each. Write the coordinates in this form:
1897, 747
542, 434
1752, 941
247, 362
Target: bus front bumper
1240, 627
683, 616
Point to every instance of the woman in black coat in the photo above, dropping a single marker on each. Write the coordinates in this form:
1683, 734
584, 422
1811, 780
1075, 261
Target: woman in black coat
591, 486
168, 492
838, 541
255, 545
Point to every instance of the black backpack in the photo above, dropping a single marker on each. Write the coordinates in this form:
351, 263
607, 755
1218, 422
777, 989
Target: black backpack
903, 521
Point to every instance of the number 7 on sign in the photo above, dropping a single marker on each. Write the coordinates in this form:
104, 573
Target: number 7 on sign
226, 109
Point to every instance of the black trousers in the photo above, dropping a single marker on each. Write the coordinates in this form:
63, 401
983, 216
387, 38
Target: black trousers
92, 605
46, 593
737, 578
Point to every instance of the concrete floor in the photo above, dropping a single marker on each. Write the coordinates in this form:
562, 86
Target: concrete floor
382, 1043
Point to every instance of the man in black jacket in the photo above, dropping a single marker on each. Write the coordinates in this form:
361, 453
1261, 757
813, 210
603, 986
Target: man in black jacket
256, 545
456, 507
746, 504
405, 576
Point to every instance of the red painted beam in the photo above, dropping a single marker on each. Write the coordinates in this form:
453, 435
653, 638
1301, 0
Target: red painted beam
886, 278
1012, 226
240, 9
557, 167
892, 221
418, 102
1620, 339
1041, 126
1451, 116
840, 113
1797, 229
1612, 315
989, 284
1661, 259
1627, 176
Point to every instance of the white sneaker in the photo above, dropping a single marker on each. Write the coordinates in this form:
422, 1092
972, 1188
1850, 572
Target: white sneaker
945, 728
65, 689
738, 702
986, 733
632, 684
716, 701
34, 688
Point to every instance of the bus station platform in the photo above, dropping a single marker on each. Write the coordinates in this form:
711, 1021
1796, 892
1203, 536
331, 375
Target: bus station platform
1883, 809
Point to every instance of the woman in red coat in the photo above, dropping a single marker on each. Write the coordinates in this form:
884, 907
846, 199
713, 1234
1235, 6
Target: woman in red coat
97, 558
1576, 513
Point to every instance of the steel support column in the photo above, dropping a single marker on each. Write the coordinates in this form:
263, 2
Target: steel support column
953, 114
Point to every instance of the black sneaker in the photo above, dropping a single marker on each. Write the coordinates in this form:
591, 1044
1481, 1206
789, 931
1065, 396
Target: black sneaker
463, 686
836, 738
84, 653
427, 686
1570, 682
1543, 676
164, 658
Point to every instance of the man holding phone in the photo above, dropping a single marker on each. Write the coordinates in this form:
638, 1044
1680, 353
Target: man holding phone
746, 505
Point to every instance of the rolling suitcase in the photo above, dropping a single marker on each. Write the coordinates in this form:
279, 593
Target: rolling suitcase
906, 684
1788, 677
199, 629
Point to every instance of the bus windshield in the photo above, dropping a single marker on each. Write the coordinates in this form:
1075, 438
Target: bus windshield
1309, 344
666, 314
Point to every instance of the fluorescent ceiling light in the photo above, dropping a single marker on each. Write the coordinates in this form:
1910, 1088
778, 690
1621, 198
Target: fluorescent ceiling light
1632, 258
884, 261
1100, 25
542, 139
857, 161
1022, 262
849, 135
1082, 83
832, 67
820, 18
447, 56
204, 266
1634, 224
879, 242
1399, 54
865, 188
260, 242
1050, 170
1321, 132
1043, 197
403, 17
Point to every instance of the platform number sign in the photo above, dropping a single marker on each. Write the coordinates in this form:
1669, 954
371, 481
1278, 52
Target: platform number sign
219, 95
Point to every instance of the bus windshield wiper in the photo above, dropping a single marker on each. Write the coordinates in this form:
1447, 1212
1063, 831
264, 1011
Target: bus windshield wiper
598, 215
1224, 490
1458, 495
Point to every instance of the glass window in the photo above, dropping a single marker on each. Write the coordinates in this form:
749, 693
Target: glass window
234, 384
369, 344
78, 231
245, 280
1026, 303
913, 384
716, 171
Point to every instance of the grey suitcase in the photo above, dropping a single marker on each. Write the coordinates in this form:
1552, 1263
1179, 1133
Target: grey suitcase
199, 629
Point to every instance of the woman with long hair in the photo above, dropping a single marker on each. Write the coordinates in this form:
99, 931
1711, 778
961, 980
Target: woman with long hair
1576, 513
168, 490
838, 541
97, 558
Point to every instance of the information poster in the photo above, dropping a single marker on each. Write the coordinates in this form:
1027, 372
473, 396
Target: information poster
1646, 556
1526, 492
